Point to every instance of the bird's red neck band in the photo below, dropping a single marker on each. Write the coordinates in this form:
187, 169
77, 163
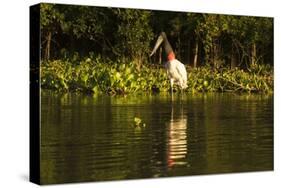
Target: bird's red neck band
171, 56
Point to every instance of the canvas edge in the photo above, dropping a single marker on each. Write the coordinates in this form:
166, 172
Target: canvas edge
34, 96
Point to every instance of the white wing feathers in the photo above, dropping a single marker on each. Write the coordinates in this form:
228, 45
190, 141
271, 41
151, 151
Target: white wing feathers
177, 73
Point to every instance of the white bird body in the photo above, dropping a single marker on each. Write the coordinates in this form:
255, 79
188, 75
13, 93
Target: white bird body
177, 73
175, 69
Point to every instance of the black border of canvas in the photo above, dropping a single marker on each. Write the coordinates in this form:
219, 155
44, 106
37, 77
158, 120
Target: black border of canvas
34, 88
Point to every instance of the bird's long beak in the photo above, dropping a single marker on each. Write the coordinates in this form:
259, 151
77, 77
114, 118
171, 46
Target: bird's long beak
157, 44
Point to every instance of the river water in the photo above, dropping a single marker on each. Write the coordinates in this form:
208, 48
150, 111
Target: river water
96, 138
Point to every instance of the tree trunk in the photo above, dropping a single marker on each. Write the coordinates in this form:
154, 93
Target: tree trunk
233, 59
179, 48
253, 54
48, 46
216, 52
213, 54
188, 52
195, 54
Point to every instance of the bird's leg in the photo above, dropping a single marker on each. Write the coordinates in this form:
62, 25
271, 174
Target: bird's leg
182, 86
181, 94
172, 83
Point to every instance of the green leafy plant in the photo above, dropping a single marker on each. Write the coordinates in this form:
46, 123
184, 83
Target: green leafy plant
94, 76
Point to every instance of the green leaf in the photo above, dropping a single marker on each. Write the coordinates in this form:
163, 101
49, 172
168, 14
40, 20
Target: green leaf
137, 120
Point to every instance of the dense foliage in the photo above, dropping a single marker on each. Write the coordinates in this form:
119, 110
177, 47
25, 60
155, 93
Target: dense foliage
97, 49
95, 76
115, 33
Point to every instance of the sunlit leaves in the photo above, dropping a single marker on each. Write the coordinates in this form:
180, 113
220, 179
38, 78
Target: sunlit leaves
93, 76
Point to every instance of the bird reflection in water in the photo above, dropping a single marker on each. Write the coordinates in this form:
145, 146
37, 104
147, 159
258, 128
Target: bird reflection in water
177, 137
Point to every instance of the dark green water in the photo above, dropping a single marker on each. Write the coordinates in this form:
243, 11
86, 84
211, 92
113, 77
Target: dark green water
86, 138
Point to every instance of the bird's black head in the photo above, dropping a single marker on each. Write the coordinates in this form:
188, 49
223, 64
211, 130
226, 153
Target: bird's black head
162, 38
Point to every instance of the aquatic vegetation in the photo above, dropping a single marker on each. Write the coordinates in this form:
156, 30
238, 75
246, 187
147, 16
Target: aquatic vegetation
95, 76
137, 120
224, 79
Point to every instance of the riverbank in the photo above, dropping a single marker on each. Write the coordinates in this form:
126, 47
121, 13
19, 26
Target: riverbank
91, 76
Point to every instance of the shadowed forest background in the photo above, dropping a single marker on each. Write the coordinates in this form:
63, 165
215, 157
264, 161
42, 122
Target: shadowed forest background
221, 52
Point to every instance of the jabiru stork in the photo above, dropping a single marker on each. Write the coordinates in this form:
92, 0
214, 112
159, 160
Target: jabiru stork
175, 69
